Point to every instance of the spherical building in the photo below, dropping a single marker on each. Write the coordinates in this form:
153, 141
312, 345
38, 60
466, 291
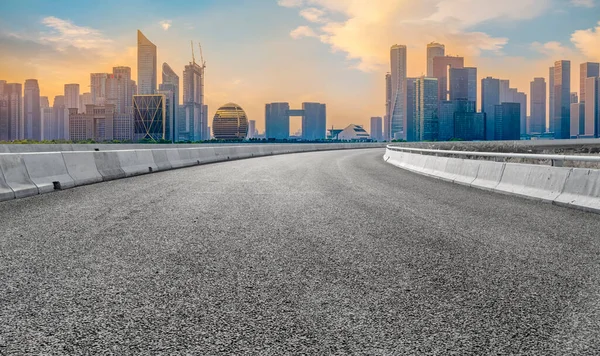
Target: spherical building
230, 123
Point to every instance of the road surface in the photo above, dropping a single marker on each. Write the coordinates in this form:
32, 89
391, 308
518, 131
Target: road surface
314, 253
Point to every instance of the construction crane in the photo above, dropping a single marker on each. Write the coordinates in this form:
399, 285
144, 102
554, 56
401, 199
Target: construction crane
202, 56
193, 57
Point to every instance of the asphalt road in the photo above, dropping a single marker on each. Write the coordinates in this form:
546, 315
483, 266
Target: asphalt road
314, 253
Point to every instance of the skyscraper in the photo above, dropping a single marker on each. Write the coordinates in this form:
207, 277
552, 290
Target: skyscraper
586, 70
61, 116
448, 117
574, 98
577, 119
277, 121
170, 110
84, 100
149, 117
505, 93
146, 62
562, 102
507, 120
190, 125
490, 97
170, 81
72, 96
376, 128
11, 111
592, 107
122, 89
411, 104
441, 66
426, 92
521, 98
551, 100
434, 50
463, 84
388, 106
537, 123
98, 87
314, 121
398, 82
44, 102
251, 129
32, 123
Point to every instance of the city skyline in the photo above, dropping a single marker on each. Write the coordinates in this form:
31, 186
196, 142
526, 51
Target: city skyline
326, 66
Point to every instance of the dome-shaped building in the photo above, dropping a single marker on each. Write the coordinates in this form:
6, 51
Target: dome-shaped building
230, 122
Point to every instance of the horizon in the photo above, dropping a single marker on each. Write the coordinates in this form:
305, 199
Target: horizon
333, 52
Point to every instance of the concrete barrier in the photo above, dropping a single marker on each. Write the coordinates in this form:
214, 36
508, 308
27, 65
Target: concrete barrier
570, 187
16, 175
161, 160
5, 192
47, 171
203, 155
109, 165
582, 189
534, 181
81, 166
488, 175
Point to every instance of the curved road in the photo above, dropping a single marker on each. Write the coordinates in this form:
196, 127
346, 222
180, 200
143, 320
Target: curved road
315, 253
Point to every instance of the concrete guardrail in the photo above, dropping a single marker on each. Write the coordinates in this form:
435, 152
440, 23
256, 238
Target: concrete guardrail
570, 187
33, 171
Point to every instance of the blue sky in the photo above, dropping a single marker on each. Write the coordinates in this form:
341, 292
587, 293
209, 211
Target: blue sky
260, 51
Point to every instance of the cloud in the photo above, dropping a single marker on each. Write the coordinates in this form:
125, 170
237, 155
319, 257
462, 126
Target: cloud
588, 42
365, 30
302, 31
165, 24
583, 3
313, 15
63, 33
290, 3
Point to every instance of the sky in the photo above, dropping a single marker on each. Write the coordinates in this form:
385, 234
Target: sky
259, 51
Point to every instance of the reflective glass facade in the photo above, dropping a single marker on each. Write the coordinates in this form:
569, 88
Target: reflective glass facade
230, 122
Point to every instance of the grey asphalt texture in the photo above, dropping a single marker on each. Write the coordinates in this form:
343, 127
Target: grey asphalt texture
314, 253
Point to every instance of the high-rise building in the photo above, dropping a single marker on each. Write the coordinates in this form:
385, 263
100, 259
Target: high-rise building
123, 127
32, 123
463, 84
469, 126
505, 93
562, 102
441, 67
84, 100
577, 119
574, 98
587, 70
190, 124
592, 107
521, 98
376, 128
551, 100
97, 123
252, 129
314, 121
61, 117
170, 81
120, 89
44, 102
537, 123
508, 121
277, 121
205, 128
448, 116
490, 97
388, 105
230, 122
98, 87
170, 109
426, 91
411, 105
149, 117
72, 96
11, 111
398, 102
434, 50
146, 64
